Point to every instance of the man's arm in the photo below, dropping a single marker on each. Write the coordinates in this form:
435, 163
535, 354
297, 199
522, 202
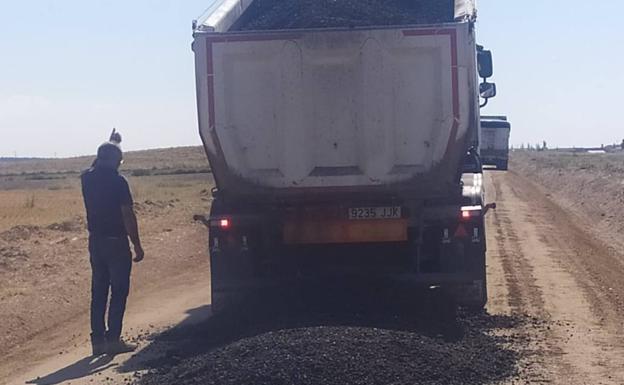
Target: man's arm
132, 228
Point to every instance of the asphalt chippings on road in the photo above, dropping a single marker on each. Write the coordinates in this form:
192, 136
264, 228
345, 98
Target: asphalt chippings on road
296, 14
334, 336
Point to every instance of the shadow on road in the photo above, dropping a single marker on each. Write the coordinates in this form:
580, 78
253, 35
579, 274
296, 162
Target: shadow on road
334, 335
79, 369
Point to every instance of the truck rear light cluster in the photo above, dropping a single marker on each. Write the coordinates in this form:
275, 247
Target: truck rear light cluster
468, 212
223, 223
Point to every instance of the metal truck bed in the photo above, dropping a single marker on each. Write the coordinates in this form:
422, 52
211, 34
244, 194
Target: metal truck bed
312, 111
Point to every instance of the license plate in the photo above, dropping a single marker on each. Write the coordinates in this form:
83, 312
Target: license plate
361, 213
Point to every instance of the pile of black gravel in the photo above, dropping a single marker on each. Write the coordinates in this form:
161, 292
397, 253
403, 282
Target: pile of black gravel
343, 343
296, 14
343, 355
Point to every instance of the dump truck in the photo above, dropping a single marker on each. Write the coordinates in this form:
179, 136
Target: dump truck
494, 147
338, 150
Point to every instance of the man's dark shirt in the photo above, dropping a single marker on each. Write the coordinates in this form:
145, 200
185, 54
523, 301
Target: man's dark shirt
104, 192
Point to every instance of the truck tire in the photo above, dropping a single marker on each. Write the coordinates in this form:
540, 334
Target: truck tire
502, 165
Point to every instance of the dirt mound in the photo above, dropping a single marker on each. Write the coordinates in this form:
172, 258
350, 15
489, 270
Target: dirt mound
75, 224
294, 14
11, 254
20, 233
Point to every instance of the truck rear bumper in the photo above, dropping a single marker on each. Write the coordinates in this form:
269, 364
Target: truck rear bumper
416, 280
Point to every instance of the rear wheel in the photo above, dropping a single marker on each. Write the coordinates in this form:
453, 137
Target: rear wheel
502, 165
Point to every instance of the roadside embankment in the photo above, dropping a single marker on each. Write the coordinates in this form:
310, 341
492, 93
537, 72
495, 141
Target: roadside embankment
589, 185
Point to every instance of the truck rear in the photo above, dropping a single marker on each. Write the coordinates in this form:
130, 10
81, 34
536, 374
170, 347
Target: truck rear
495, 132
339, 152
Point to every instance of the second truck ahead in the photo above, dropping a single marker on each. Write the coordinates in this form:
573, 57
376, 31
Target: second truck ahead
340, 151
495, 132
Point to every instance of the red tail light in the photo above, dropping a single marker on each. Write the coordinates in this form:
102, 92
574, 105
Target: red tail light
468, 212
221, 223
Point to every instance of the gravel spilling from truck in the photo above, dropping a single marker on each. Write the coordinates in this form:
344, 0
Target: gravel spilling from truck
296, 14
310, 342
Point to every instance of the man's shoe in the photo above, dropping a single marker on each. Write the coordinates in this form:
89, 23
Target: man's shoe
119, 347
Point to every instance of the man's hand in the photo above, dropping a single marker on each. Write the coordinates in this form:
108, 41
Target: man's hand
115, 137
139, 254
130, 222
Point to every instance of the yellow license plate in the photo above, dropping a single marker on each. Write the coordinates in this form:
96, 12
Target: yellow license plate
345, 231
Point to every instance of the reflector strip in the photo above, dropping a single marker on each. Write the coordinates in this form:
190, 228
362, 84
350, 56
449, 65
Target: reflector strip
461, 232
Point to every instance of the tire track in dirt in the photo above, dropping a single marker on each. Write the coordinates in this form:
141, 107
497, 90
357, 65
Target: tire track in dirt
544, 258
523, 295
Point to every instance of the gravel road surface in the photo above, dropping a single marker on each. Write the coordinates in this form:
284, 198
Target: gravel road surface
555, 316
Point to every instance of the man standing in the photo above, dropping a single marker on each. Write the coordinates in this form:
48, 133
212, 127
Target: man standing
111, 220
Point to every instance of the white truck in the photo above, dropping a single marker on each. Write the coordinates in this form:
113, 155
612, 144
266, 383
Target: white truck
340, 151
494, 146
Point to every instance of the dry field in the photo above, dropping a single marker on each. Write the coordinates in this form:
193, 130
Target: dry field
42, 192
44, 268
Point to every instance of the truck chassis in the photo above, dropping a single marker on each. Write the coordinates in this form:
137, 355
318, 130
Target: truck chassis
445, 246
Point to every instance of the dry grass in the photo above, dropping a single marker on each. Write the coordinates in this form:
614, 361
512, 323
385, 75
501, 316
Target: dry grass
40, 193
610, 164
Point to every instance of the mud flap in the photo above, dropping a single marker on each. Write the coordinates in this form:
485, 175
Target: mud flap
472, 297
467, 257
231, 271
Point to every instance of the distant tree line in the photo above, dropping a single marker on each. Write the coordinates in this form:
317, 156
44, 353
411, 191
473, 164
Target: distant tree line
534, 147
544, 146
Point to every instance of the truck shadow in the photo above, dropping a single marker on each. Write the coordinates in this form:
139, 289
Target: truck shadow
334, 337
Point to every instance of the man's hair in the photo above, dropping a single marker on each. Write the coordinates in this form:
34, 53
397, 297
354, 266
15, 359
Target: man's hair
109, 153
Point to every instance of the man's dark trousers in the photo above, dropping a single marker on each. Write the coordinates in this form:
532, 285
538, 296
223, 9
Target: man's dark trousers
111, 263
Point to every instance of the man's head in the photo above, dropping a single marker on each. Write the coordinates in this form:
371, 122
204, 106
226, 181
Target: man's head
109, 155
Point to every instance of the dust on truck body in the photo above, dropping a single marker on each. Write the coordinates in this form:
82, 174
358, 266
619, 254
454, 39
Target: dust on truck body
339, 151
494, 142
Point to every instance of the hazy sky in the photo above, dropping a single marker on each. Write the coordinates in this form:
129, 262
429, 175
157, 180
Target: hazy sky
70, 70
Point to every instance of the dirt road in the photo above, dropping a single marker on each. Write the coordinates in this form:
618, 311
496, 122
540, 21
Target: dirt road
546, 262
548, 271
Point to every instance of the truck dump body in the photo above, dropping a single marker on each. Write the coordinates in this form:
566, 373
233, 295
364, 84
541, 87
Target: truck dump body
288, 112
339, 150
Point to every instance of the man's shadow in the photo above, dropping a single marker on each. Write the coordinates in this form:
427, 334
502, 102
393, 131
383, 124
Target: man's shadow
82, 368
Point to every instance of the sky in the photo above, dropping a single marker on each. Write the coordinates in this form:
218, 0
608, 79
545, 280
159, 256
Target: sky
71, 70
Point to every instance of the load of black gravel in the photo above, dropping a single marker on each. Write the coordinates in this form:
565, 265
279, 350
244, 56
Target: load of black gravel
297, 14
